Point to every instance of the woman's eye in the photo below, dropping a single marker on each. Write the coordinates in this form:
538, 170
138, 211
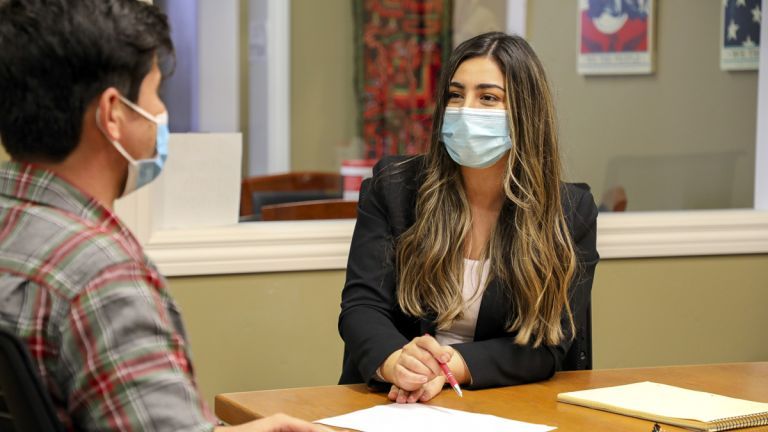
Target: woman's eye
489, 98
454, 95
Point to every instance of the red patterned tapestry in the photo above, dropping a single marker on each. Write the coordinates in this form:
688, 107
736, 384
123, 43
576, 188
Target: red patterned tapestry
400, 48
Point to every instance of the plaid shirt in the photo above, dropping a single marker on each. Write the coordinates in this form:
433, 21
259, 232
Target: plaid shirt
94, 312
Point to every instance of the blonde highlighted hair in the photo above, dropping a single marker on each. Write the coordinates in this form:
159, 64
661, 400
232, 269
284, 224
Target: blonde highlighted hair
530, 250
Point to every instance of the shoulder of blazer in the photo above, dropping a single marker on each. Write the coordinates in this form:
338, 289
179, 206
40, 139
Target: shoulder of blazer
579, 208
401, 167
394, 186
398, 174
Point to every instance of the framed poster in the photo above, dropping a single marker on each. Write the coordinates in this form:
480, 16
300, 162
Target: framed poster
740, 35
615, 37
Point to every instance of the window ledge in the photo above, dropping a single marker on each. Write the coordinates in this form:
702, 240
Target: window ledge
682, 233
254, 247
324, 245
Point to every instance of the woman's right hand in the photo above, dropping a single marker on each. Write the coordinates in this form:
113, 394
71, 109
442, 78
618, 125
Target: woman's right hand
416, 363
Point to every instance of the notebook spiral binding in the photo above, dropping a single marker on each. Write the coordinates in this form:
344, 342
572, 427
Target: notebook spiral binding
745, 421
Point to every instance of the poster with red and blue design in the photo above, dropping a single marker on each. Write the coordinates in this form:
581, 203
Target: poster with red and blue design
740, 35
615, 37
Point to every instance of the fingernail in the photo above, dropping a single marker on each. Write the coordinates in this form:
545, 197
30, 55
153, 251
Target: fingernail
423, 379
445, 358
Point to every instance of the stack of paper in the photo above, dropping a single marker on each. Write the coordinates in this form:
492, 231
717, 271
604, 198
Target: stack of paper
420, 418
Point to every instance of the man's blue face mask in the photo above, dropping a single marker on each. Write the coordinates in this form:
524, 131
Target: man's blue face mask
141, 172
476, 137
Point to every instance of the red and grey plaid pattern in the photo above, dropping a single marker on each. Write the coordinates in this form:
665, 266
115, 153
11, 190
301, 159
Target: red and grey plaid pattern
94, 311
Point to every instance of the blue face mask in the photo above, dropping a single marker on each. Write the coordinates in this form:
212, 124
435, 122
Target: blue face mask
476, 137
141, 172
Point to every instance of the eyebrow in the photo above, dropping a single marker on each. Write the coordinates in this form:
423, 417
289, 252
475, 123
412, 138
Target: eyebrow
481, 86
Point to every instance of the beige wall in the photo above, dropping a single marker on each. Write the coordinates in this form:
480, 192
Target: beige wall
651, 312
276, 330
688, 107
323, 112
262, 331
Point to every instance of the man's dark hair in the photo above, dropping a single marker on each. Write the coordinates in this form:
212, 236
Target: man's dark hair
56, 56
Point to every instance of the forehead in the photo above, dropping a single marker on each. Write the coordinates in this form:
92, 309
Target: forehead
479, 70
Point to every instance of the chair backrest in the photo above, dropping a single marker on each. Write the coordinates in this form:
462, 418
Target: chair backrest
305, 210
293, 186
614, 199
579, 357
24, 403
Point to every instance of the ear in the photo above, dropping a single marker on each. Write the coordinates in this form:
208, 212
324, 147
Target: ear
110, 114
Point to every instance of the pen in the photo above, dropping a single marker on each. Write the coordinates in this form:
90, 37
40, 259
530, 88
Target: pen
451, 380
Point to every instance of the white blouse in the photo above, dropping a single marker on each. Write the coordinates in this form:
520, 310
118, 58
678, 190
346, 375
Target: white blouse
473, 286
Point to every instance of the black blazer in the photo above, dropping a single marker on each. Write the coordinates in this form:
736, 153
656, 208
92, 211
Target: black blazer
372, 324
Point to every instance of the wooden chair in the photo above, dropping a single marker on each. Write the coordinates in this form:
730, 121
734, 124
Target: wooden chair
288, 187
579, 356
614, 200
304, 210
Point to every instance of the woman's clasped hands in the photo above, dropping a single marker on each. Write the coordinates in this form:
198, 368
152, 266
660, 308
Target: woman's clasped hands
415, 372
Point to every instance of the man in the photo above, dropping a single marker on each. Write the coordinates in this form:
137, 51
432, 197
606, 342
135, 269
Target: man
81, 118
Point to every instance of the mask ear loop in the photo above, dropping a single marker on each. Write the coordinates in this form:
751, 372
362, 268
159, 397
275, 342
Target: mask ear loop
159, 120
131, 161
139, 109
114, 143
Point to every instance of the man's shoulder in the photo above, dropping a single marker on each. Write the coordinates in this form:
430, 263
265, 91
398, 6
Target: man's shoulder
59, 249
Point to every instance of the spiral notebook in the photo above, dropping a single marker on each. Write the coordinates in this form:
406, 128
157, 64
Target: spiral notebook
673, 405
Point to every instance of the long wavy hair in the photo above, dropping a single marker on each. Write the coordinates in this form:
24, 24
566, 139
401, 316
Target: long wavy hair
530, 249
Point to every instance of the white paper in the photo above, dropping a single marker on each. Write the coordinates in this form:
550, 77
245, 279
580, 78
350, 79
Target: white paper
420, 417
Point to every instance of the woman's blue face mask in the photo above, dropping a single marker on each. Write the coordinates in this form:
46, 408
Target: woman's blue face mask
476, 137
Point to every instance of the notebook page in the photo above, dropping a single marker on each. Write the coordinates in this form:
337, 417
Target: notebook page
670, 401
419, 417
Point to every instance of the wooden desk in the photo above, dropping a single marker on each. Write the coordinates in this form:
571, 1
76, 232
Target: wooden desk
535, 403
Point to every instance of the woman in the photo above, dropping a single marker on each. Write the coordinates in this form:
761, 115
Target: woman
476, 254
